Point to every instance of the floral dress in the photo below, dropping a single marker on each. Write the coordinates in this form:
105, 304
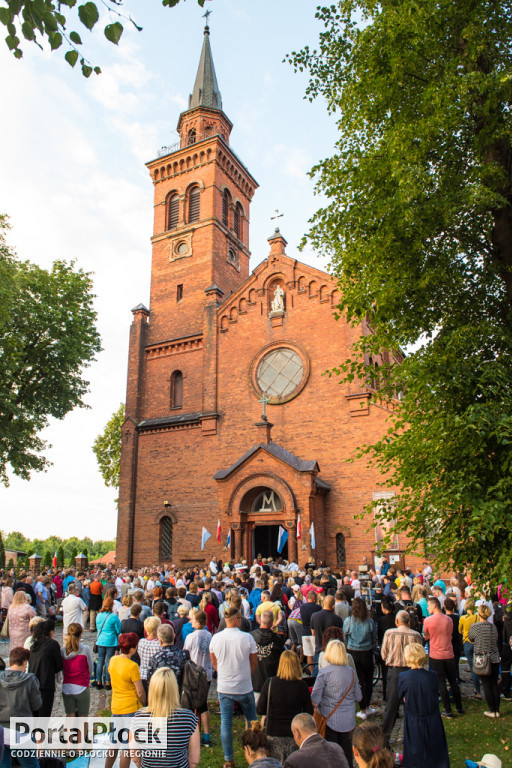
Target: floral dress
19, 617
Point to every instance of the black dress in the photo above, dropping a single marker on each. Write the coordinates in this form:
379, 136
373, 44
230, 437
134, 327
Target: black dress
425, 743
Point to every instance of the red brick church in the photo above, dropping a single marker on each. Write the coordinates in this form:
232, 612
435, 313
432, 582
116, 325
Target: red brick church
229, 415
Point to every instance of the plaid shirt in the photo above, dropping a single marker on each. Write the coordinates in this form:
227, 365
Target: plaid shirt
146, 650
394, 644
174, 658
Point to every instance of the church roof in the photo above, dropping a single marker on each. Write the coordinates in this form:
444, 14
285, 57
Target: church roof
206, 90
279, 453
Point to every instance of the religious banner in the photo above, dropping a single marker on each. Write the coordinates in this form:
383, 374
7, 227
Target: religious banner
204, 537
281, 539
219, 531
299, 528
312, 536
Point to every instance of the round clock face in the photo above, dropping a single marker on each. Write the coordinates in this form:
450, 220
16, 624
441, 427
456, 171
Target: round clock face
182, 248
280, 372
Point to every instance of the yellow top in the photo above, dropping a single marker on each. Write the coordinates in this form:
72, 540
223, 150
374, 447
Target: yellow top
464, 624
268, 605
123, 674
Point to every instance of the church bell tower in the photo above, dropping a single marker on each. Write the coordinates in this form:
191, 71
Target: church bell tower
202, 194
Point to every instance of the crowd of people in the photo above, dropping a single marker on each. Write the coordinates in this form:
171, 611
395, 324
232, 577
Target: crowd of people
297, 648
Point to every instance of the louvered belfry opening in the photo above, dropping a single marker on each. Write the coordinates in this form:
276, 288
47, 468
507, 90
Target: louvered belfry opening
193, 205
225, 207
173, 214
237, 220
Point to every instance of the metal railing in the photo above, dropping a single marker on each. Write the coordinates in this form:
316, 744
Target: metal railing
182, 144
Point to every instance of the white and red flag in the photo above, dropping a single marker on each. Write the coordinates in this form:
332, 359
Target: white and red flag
219, 531
299, 528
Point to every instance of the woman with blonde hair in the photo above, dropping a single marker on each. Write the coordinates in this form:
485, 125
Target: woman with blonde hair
424, 737
484, 637
335, 694
29, 642
125, 610
18, 619
77, 668
370, 747
148, 647
183, 745
281, 698
465, 623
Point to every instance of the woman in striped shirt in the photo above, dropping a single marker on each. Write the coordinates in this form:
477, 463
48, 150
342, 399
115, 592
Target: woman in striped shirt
183, 745
484, 636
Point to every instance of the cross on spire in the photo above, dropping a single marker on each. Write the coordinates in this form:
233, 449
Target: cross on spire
264, 399
277, 216
205, 16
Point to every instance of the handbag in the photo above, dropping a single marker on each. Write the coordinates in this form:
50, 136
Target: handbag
482, 664
321, 721
95, 646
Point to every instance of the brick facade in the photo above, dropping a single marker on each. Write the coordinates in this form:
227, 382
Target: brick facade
186, 464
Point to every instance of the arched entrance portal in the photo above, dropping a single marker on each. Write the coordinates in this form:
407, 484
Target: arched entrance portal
263, 509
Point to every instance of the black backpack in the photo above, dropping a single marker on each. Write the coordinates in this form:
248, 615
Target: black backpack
414, 622
194, 687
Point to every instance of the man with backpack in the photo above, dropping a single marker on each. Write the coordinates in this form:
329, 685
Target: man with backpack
197, 644
413, 609
394, 643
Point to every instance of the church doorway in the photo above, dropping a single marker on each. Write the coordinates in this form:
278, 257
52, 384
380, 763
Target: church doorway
264, 542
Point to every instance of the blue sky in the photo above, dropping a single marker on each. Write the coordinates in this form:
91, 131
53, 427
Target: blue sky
74, 183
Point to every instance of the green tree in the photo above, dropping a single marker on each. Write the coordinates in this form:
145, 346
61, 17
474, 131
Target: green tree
107, 448
47, 559
44, 20
10, 564
2, 551
85, 552
47, 336
74, 553
60, 556
17, 541
418, 227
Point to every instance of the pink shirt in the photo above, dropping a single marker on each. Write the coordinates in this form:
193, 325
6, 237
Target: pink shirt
438, 629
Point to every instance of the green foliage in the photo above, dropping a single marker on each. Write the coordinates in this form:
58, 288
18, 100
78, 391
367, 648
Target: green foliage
74, 553
107, 448
47, 559
2, 552
37, 20
10, 564
47, 336
418, 226
64, 547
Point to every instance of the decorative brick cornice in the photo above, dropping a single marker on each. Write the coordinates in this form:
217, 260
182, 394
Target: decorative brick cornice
175, 346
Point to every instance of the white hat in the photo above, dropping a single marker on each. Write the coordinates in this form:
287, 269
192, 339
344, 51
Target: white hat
490, 761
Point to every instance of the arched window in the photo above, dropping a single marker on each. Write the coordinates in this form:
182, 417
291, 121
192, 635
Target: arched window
193, 205
165, 538
173, 211
341, 554
191, 138
226, 202
177, 390
237, 220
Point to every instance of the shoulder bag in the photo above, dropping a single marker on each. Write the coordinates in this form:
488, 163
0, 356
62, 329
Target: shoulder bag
320, 720
95, 647
482, 664
268, 704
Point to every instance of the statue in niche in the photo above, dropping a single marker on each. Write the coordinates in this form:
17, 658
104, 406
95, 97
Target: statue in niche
277, 304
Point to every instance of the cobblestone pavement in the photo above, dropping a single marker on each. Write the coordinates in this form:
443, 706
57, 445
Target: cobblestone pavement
100, 699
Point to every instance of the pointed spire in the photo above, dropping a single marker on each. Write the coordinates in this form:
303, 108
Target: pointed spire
206, 90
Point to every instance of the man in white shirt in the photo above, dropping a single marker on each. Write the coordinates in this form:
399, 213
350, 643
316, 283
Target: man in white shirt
213, 567
119, 583
72, 608
234, 655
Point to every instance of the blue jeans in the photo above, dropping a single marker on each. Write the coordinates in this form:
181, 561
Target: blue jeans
105, 653
25, 762
469, 652
227, 707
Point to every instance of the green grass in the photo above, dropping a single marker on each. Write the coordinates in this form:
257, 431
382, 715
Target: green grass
469, 736
472, 735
